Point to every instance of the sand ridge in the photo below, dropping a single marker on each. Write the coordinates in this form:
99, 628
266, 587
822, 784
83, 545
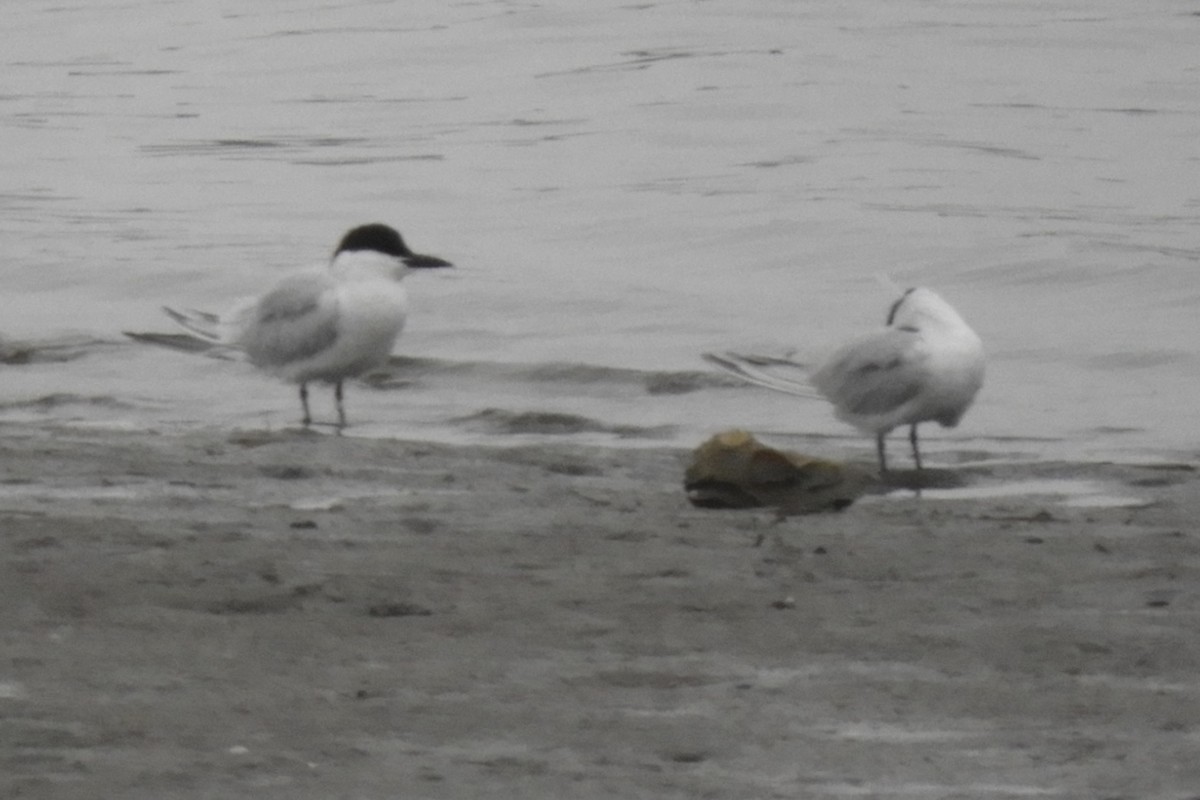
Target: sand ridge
201, 613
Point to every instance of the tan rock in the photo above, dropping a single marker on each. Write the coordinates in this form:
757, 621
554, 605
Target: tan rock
735, 470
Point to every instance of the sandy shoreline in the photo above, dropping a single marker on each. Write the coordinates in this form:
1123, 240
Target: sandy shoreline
206, 614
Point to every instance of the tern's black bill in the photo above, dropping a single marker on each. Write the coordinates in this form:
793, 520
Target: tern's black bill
418, 261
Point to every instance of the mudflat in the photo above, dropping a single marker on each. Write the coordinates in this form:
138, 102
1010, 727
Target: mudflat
204, 614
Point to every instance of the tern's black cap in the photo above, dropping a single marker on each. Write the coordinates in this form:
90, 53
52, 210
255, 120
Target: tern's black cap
387, 240
376, 236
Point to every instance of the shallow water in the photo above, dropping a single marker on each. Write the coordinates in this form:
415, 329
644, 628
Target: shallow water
621, 186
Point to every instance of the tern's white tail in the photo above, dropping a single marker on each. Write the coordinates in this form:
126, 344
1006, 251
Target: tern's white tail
780, 374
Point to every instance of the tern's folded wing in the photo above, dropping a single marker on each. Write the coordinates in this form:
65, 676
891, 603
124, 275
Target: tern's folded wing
875, 374
294, 321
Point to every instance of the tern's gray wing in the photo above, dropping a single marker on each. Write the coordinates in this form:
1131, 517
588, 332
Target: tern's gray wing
875, 374
294, 321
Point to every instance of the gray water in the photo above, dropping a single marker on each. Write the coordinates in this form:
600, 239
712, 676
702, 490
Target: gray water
623, 186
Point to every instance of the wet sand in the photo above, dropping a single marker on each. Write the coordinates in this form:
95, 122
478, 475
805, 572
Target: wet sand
205, 614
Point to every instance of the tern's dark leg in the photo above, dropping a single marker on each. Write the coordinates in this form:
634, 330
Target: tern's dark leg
337, 396
912, 437
307, 420
880, 449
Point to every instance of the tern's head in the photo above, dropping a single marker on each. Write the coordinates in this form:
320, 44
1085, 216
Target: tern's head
920, 308
386, 240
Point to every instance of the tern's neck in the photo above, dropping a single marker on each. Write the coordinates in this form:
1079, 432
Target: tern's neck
367, 265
